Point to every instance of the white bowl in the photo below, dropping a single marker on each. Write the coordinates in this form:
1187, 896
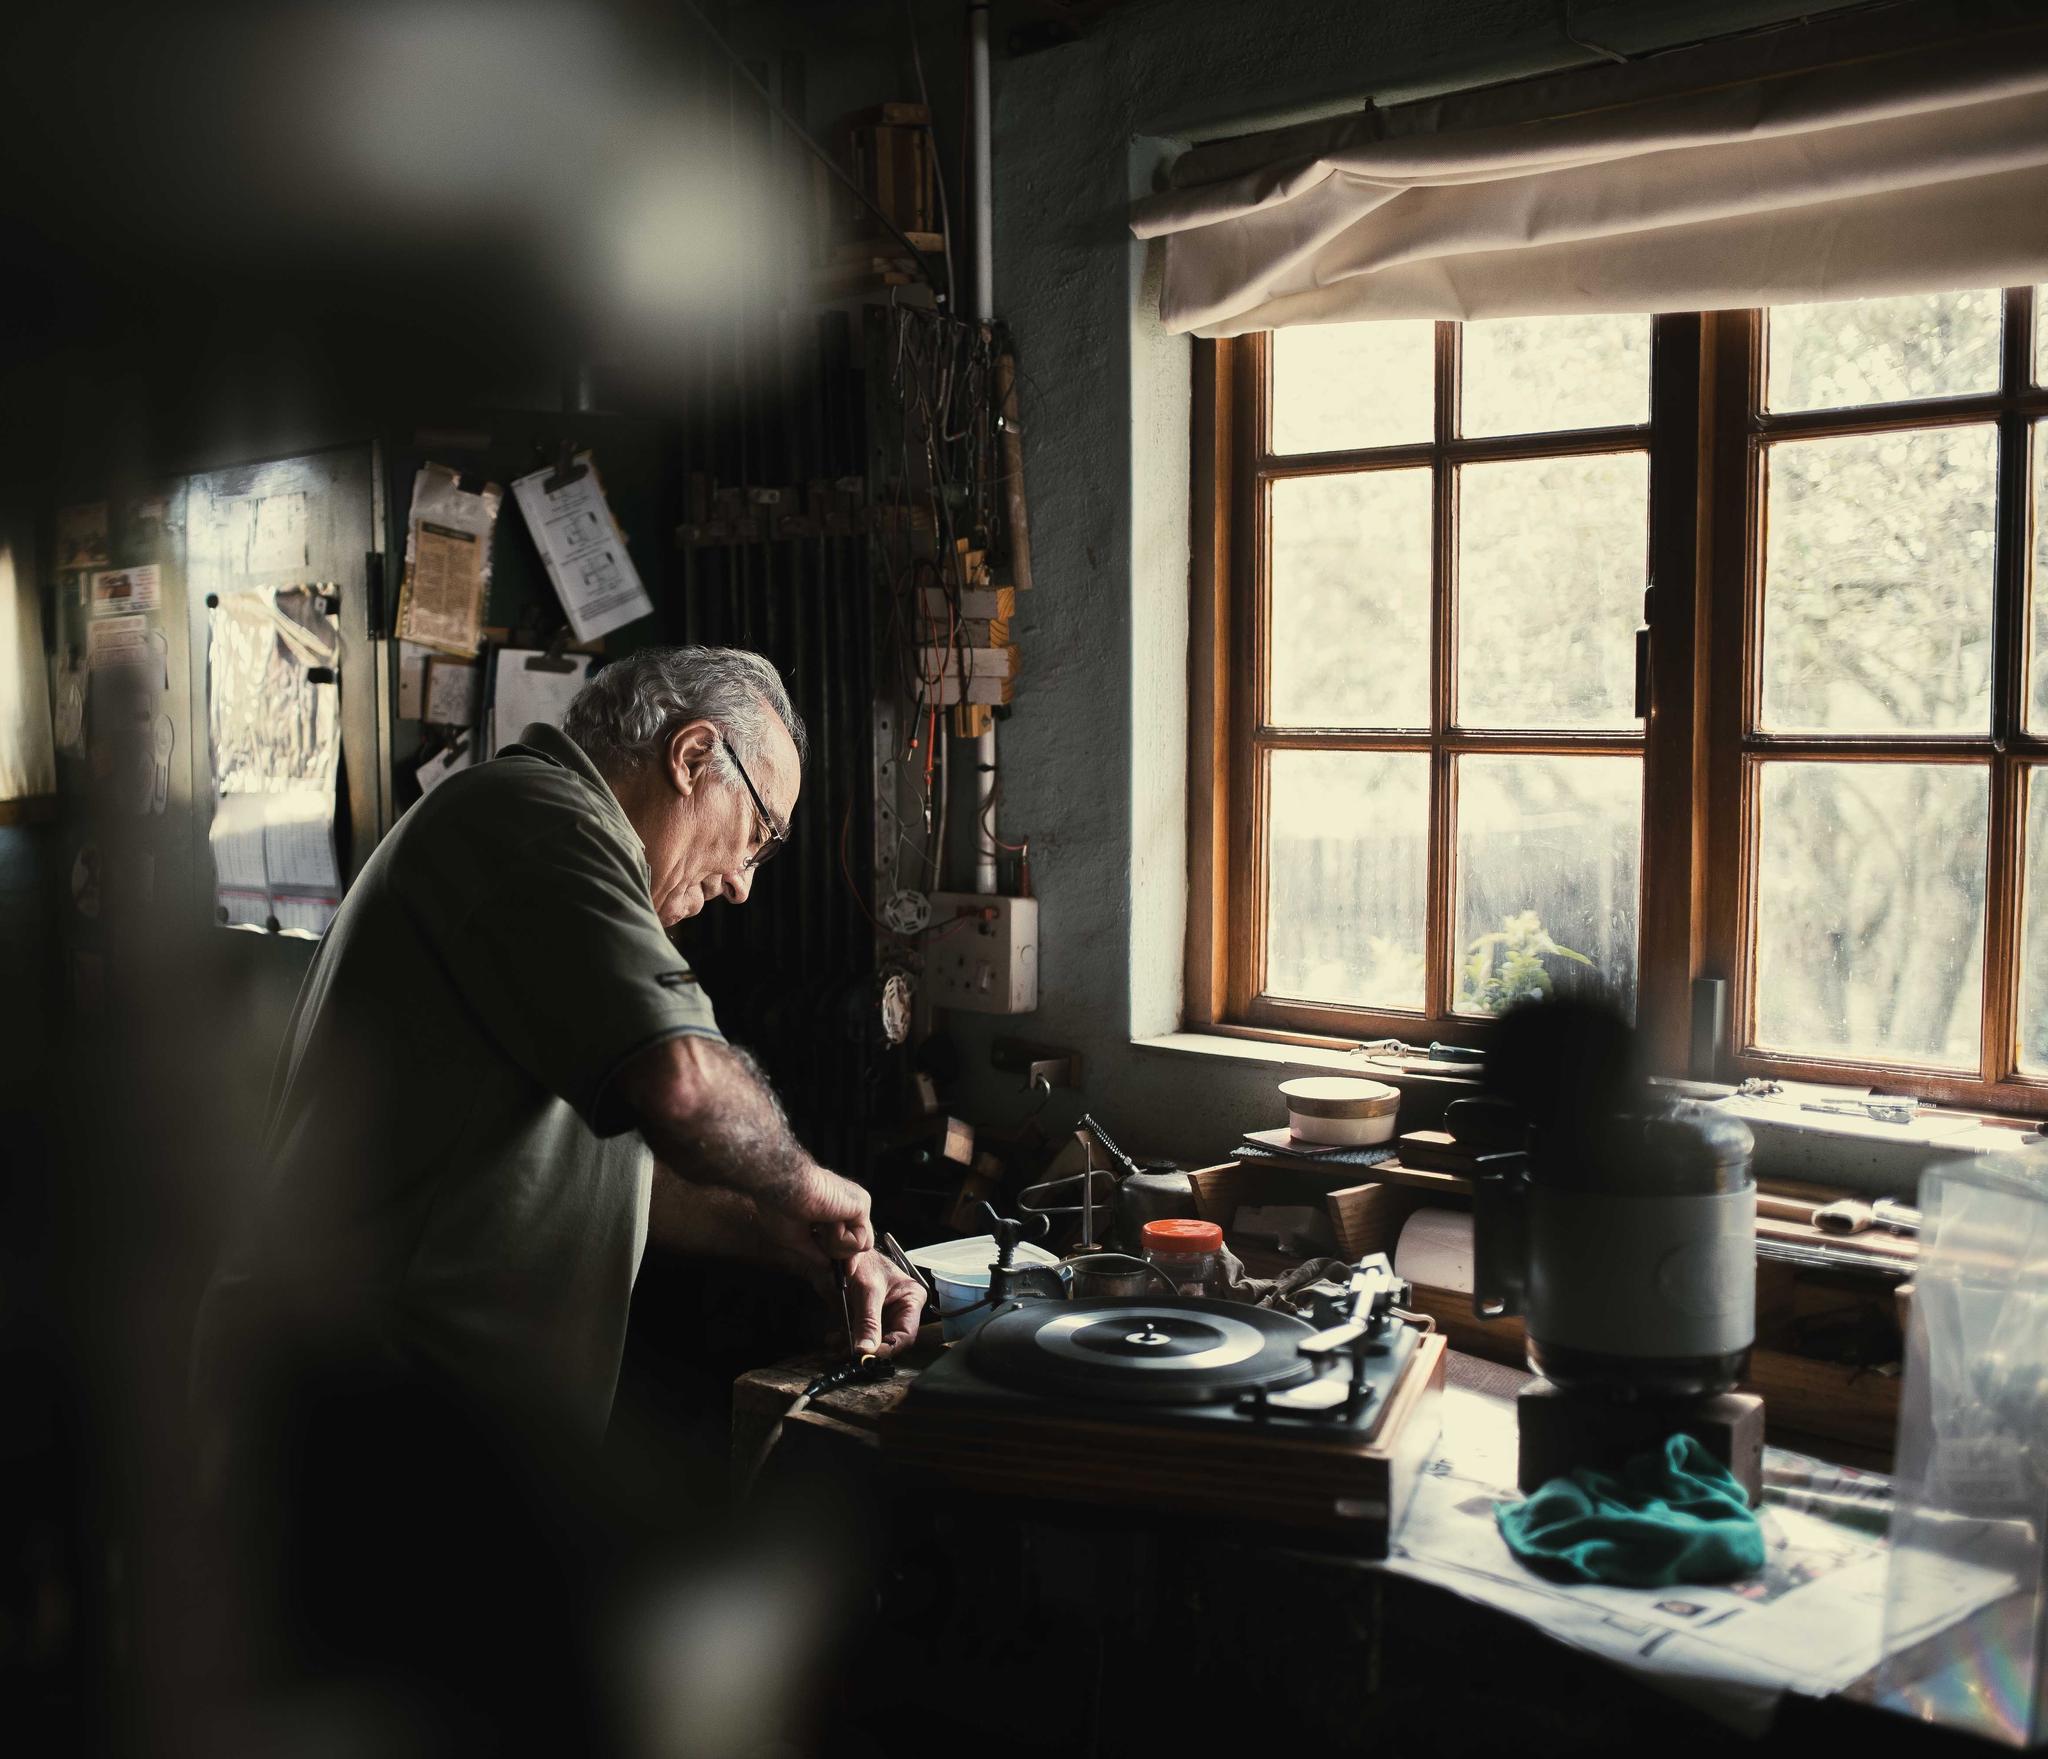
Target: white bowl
1340, 1110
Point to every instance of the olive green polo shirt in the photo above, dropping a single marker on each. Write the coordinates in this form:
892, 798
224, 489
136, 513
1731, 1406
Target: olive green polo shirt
449, 1180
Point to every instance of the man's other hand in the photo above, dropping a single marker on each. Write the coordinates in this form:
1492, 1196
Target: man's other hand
824, 1218
835, 1211
886, 1304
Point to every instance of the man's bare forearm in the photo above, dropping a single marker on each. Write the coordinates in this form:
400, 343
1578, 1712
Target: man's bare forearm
711, 1117
714, 1221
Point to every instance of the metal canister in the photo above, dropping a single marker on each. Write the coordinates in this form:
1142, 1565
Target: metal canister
1116, 1273
1151, 1195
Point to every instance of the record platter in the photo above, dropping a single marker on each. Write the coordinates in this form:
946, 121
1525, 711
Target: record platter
1188, 1406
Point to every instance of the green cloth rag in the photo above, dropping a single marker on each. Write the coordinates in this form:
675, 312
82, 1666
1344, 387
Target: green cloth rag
1675, 1515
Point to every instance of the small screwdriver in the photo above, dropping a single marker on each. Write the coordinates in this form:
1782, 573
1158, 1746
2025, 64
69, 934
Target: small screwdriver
853, 1354
845, 1310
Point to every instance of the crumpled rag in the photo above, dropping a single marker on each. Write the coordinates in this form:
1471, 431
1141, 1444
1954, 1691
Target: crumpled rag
1674, 1515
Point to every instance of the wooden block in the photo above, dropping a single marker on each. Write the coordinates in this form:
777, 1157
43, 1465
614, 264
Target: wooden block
975, 662
1559, 1431
1439, 1150
998, 602
982, 690
1369, 1218
1219, 1191
891, 115
972, 719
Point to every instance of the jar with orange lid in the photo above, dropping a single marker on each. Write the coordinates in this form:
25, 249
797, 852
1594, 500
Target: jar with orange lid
1188, 1253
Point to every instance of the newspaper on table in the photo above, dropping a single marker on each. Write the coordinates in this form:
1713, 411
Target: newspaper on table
275, 733
584, 551
1812, 1622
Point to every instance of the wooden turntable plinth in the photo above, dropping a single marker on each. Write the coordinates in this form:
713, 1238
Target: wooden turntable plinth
1323, 1481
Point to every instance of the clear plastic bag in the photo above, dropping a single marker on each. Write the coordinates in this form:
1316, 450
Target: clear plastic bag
1972, 1472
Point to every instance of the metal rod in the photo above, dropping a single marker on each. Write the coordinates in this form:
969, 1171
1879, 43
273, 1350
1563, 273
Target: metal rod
984, 765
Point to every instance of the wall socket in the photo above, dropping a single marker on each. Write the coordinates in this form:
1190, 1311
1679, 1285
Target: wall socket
981, 953
1052, 1064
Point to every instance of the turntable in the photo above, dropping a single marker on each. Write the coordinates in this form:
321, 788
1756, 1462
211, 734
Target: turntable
1189, 1406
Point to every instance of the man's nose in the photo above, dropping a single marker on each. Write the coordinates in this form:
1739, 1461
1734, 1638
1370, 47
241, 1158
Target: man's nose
736, 886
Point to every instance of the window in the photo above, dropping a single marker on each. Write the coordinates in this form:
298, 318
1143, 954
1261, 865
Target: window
1452, 750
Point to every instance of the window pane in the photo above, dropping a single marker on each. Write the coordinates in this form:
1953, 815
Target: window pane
2037, 653
2034, 941
1548, 853
1881, 350
1337, 387
1870, 910
1536, 375
1552, 559
1877, 582
1350, 600
1347, 861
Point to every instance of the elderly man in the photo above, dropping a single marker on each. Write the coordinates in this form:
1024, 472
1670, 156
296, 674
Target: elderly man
501, 1078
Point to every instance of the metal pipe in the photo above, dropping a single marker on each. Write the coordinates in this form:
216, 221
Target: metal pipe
984, 764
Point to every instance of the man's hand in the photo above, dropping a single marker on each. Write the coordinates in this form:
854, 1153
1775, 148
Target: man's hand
827, 1219
886, 1304
833, 1212
714, 1221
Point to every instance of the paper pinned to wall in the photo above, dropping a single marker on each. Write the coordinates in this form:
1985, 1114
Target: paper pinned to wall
584, 550
274, 727
274, 861
454, 691
276, 746
521, 693
447, 561
114, 590
433, 771
412, 679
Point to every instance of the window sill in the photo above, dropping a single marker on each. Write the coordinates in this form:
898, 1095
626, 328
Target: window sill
1788, 1148
1278, 1053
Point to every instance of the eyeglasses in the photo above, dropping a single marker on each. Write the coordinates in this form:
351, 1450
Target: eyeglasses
777, 834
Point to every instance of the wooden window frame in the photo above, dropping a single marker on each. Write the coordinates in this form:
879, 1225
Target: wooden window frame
1742, 430
1706, 440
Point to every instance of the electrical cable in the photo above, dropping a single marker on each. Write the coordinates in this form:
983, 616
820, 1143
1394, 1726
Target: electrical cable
846, 867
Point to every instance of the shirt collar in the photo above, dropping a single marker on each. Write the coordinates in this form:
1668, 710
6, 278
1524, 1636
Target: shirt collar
538, 739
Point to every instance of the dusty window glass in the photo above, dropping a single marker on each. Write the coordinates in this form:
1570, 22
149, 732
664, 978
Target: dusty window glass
1549, 861
1848, 352
1870, 910
1542, 375
1347, 865
2034, 938
1343, 387
1878, 583
1552, 561
1349, 625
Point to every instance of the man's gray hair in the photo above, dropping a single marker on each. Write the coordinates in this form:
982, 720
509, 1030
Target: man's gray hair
623, 717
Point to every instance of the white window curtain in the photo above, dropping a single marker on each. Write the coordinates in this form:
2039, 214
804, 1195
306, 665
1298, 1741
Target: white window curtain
28, 758
1751, 171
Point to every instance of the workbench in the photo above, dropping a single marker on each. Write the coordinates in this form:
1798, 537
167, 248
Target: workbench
1072, 1619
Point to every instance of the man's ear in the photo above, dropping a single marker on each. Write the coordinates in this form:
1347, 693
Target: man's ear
692, 751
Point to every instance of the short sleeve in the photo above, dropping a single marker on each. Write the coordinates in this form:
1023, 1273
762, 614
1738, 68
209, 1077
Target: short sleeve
560, 952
